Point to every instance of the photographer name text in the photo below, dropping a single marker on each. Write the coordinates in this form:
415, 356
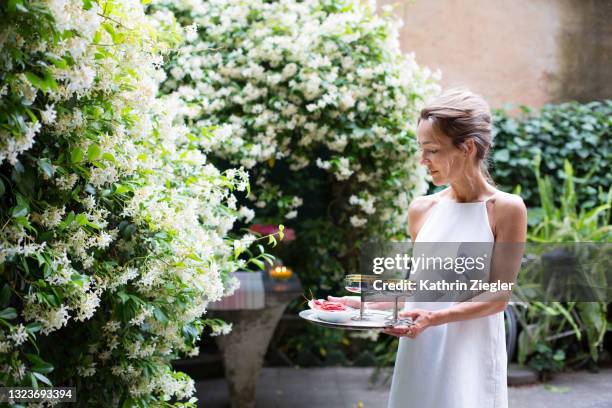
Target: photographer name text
406, 285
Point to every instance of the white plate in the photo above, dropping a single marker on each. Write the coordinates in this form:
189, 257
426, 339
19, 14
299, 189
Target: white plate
333, 316
376, 320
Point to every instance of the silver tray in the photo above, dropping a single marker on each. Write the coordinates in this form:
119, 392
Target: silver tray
377, 320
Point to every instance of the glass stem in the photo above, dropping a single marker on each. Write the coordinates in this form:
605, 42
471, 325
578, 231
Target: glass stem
395, 310
361, 305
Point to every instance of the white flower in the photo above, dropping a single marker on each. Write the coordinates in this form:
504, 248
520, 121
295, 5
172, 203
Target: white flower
66, 182
19, 334
291, 214
242, 244
87, 306
289, 70
20, 371
87, 371
140, 317
221, 329
296, 202
5, 346
344, 170
52, 216
112, 326
246, 214
231, 202
357, 221
54, 319
191, 32
49, 114
347, 101
325, 165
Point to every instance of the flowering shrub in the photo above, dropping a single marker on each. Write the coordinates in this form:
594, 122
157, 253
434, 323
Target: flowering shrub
113, 223
317, 101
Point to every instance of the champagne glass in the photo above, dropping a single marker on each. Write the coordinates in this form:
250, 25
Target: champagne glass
359, 284
394, 319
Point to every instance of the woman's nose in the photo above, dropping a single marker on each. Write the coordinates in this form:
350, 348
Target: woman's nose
423, 160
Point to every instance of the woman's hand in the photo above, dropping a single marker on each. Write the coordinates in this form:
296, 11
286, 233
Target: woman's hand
421, 319
350, 301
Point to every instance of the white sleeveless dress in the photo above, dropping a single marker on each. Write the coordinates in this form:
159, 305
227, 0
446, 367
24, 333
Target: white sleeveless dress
460, 364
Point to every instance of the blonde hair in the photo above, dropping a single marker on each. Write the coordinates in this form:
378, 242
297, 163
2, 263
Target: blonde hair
461, 115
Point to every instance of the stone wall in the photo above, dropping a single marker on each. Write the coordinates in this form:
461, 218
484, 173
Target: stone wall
519, 51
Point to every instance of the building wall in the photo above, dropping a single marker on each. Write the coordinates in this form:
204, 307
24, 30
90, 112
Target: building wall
518, 51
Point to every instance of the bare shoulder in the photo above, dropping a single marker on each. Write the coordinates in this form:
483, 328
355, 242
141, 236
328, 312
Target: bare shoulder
420, 205
506, 202
417, 211
510, 217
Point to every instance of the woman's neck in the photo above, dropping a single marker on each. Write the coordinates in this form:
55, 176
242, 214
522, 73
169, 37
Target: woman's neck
469, 190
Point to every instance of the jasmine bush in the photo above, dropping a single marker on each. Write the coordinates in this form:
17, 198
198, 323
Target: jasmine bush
113, 222
318, 103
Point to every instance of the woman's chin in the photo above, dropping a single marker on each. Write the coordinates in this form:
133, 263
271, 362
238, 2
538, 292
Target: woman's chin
437, 181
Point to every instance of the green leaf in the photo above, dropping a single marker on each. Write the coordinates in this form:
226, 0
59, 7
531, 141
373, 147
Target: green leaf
556, 389
272, 240
120, 188
76, 155
33, 327
259, 263
281, 234
123, 296
46, 167
39, 365
109, 157
19, 211
8, 314
81, 219
5, 295
68, 220
42, 378
160, 316
49, 82
237, 252
33, 381
502, 155
93, 152
23, 221
12, 6
34, 79
57, 61
2, 188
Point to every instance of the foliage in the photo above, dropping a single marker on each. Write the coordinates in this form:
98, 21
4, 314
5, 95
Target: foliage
113, 223
550, 329
565, 223
579, 133
317, 101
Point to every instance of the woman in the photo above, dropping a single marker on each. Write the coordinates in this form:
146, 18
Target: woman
454, 355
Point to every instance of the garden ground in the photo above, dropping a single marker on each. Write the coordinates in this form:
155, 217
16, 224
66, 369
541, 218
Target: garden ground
346, 387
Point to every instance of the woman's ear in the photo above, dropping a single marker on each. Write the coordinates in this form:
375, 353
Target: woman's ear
469, 147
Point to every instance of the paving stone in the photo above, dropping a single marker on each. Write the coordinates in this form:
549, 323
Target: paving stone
345, 387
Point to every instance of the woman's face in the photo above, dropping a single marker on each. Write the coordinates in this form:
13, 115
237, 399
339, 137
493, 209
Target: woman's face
444, 161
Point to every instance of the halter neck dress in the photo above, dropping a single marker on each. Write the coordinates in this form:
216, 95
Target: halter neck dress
460, 364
